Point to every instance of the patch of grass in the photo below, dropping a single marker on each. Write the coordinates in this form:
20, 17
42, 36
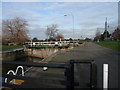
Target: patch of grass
115, 45
7, 48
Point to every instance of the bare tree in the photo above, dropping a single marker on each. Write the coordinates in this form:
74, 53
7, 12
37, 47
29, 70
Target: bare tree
51, 31
14, 30
97, 35
59, 36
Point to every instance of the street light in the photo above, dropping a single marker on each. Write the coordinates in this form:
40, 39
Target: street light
73, 24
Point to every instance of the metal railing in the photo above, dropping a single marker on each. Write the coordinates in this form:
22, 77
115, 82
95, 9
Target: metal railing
69, 81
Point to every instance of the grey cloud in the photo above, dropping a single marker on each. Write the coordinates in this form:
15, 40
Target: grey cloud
89, 24
88, 17
38, 32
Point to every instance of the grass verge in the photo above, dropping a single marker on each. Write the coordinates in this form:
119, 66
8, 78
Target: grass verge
115, 45
8, 48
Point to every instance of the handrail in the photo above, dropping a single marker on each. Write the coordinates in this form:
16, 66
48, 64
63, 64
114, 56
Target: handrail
36, 64
82, 61
69, 71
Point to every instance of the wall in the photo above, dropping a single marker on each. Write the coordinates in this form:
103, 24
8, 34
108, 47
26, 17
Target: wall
41, 52
20, 53
12, 55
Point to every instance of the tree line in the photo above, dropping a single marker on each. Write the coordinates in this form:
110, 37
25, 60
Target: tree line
15, 31
106, 35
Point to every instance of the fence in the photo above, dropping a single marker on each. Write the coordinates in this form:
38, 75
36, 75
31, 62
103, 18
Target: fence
68, 73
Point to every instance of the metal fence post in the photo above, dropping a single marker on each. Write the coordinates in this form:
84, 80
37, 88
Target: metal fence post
72, 74
93, 75
69, 73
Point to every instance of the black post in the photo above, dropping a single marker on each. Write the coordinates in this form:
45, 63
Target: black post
69, 73
93, 75
72, 74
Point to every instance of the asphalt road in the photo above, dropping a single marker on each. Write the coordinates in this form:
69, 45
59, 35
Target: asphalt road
100, 54
90, 51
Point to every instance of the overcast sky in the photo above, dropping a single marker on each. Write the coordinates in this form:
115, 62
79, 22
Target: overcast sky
88, 16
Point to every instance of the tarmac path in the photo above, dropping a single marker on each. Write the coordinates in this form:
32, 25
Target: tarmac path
91, 51
100, 54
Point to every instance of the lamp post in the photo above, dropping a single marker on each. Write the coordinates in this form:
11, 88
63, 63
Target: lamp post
73, 24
